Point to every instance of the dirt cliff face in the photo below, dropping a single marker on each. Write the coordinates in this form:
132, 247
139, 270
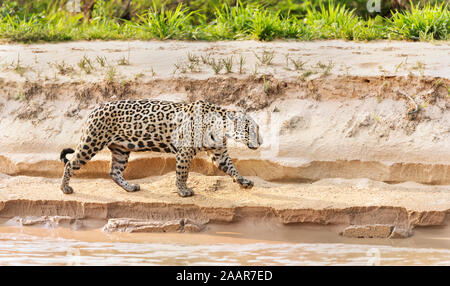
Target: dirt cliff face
327, 110
363, 128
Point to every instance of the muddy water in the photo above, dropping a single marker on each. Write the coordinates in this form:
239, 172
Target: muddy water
243, 244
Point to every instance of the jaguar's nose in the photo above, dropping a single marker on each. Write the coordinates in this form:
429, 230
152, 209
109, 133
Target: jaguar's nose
260, 140
257, 144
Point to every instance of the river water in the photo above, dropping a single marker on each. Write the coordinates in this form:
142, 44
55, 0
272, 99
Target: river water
219, 245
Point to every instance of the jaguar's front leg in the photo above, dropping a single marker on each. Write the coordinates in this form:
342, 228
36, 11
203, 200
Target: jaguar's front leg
222, 160
183, 162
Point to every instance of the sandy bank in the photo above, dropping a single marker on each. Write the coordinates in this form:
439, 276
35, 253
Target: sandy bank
156, 59
217, 199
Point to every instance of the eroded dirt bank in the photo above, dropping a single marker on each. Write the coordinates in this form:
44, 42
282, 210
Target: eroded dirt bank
219, 200
350, 118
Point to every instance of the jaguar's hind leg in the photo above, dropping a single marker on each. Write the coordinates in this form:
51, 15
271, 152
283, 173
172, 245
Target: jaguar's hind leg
82, 155
119, 160
68, 172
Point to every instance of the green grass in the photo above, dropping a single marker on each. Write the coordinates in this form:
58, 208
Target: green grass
165, 24
332, 22
47, 21
427, 23
266, 57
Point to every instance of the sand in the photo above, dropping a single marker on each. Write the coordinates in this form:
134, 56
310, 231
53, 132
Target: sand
218, 199
157, 58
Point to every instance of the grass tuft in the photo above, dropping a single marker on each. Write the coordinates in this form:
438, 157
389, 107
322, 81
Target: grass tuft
266, 57
123, 61
427, 23
63, 68
241, 64
85, 64
111, 74
101, 61
217, 66
166, 24
228, 64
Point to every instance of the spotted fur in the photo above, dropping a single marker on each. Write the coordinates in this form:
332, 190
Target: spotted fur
161, 126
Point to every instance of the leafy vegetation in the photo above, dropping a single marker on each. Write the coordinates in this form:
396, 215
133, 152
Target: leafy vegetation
265, 20
427, 23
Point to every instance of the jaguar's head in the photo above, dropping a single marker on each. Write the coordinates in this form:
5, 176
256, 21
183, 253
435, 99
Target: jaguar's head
242, 128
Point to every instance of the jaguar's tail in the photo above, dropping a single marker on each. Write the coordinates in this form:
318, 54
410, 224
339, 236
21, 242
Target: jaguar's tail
64, 152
